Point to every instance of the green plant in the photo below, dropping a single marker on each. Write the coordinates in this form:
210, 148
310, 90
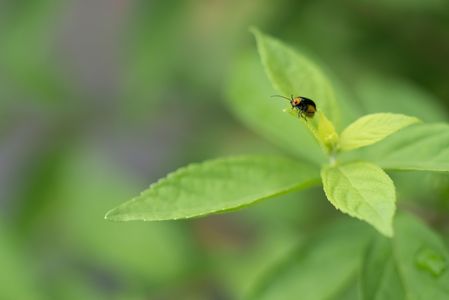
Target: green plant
352, 175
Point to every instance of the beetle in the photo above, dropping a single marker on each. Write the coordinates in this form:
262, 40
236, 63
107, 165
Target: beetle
306, 107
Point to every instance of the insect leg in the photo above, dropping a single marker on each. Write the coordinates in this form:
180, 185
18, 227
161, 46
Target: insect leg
301, 114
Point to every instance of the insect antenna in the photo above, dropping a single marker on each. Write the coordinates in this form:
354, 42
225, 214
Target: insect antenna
280, 96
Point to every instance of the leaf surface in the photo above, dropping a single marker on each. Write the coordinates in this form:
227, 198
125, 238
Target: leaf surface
362, 190
373, 128
291, 73
248, 96
216, 186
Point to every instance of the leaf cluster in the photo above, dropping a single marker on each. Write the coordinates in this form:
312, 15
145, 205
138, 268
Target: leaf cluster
349, 161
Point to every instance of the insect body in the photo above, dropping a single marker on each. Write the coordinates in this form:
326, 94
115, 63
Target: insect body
305, 106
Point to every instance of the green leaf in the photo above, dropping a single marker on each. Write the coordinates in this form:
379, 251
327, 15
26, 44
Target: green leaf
248, 96
216, 186
326, 132
421, 147
362, 190
373, 128
291, 73
412, 265
331, 258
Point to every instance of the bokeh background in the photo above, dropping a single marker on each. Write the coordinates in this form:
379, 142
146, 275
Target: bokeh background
100, 98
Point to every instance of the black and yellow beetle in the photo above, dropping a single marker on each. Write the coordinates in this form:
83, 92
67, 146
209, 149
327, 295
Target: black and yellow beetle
305, 106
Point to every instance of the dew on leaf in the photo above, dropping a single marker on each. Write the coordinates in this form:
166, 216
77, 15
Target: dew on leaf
431, 261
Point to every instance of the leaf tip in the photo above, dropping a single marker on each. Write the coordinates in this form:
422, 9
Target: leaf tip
416, 120
388, 231
384, 226
113, 215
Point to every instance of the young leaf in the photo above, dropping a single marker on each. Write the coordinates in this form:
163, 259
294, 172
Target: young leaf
293, 74
326, 132
422, 147
362, 190
333, 257
248, 96
372, 128
216, 186
322, 129
412, 265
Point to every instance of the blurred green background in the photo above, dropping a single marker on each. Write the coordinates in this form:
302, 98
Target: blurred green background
98, 99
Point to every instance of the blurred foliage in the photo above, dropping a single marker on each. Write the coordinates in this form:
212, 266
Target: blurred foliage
416, 264
17, 279
338, 248
28, 67
100, 98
